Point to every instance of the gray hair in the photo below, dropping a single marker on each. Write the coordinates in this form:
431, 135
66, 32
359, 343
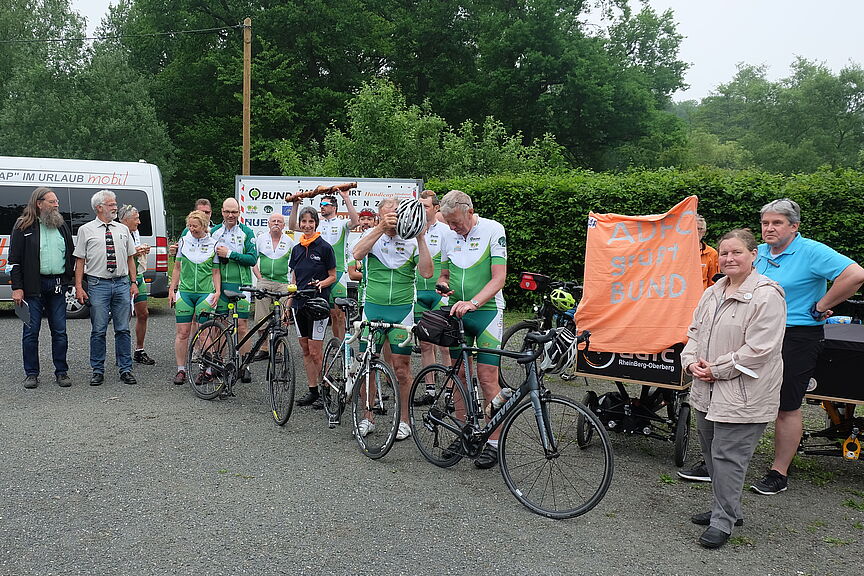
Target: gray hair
100, 197
785, 207
389, 201
308, 210
126, 211
456, 200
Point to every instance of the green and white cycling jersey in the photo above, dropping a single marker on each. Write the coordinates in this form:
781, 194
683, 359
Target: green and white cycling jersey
197, 257
470, 260
335, 232
273, 260
434, 236
389, 271
240, 240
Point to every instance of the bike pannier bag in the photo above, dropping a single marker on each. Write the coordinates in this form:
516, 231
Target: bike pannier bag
437, 327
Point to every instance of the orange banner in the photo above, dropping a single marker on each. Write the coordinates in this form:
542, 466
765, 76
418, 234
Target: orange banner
643, 279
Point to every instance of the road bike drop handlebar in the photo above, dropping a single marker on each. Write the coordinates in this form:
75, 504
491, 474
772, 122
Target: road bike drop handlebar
260, 293
387, 325
537, 338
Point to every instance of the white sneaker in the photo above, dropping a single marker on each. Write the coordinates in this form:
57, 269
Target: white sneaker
403, 432
365, 427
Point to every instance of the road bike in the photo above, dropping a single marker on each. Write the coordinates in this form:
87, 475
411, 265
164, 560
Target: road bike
363, 379
215, 363
543, 463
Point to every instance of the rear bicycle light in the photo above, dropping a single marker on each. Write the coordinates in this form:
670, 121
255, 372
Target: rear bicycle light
532, 281
161, 254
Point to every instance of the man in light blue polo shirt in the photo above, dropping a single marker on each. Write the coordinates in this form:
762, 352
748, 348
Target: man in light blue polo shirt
803, 267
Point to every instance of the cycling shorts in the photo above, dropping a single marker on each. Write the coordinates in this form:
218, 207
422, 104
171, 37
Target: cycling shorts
241, 307
427, 300
339, 289
398, 315
190, 305
308, 328
142, 290
485, 327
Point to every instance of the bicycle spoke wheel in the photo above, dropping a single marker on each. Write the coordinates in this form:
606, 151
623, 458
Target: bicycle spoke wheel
375, 409
567, 481
210, 360
437, 419
333, 380
280, 381
512, 374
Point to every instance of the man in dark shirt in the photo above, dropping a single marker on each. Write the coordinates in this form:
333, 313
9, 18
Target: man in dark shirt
40, 254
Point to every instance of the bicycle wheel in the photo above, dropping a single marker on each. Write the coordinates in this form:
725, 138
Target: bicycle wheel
682, 434
510, 373
375, 400
210, 360
333, 380
280, 381
568, 481
436, 426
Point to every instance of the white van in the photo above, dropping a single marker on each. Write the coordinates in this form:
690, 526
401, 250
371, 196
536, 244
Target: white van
75, 182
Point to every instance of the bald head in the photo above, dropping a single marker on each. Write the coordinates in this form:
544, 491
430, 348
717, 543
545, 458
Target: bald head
230, 212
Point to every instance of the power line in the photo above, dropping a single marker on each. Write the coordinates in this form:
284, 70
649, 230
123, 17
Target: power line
148, 35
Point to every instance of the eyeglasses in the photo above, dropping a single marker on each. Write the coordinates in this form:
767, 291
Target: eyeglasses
230, 211
325, 203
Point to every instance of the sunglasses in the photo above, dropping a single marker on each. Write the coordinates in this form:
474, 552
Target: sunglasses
325, 203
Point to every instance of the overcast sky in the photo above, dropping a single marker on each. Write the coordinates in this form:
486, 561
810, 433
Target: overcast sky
721, 33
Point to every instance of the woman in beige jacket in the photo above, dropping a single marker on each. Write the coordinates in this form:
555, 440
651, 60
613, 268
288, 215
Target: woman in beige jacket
734, 354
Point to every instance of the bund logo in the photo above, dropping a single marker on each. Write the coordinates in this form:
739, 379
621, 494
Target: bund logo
254, 193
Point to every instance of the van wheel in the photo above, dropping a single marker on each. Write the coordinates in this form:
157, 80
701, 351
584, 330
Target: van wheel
74, 309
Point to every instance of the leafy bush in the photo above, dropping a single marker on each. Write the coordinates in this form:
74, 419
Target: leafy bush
545, 215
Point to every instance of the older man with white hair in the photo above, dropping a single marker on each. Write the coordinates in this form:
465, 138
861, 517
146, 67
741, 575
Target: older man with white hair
105, 254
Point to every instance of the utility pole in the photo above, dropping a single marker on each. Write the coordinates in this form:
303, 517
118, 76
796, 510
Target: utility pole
247, 91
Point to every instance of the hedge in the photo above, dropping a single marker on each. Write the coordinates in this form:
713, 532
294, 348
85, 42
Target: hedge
545, 215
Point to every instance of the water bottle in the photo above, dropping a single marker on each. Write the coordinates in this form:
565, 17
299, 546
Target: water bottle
498, 401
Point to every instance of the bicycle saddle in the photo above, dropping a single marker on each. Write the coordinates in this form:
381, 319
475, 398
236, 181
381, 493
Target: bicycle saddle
345, 302
233, 296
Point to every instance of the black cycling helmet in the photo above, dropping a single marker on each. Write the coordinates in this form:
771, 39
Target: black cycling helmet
316, 308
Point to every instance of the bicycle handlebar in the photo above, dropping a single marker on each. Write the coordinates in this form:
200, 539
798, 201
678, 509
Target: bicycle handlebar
359, 324
262, 293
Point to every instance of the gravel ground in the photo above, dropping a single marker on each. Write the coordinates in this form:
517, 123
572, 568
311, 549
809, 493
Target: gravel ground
148, 479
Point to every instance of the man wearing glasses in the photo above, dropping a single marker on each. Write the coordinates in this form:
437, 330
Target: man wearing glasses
803, 267
236, 255
335, 231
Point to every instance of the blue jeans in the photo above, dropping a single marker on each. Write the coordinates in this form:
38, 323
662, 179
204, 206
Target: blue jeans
110, 299
51, 305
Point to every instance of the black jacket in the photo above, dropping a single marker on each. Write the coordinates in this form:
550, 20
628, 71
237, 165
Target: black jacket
24, 259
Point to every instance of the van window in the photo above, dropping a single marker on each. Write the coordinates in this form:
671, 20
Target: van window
14, 199
74, 204
78, 203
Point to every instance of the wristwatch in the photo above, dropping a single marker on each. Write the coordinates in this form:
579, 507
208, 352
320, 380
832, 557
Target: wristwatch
475, 303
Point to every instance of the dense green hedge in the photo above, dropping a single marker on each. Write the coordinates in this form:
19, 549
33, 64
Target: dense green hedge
545, 215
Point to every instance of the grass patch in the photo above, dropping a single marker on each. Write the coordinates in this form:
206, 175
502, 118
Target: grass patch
668, 479
813, 527
812, 470
854, 504
831, 541
858, 525
738, 541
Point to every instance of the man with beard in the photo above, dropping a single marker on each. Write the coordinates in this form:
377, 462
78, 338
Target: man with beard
40, 254
106, 255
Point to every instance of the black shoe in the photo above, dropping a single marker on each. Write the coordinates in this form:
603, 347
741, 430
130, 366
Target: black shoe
704, 519
425, 400
308, 398
141, 357
697, 473
488, 458
772, 483
31, 381
261, 355
63, 380
318, 404
246, 377
128, 378
713, 538
96, 379
452, 450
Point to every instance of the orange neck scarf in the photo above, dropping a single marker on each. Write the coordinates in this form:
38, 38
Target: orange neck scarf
307, 239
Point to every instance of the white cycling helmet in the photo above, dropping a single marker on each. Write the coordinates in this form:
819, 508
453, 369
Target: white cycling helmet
411, 218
